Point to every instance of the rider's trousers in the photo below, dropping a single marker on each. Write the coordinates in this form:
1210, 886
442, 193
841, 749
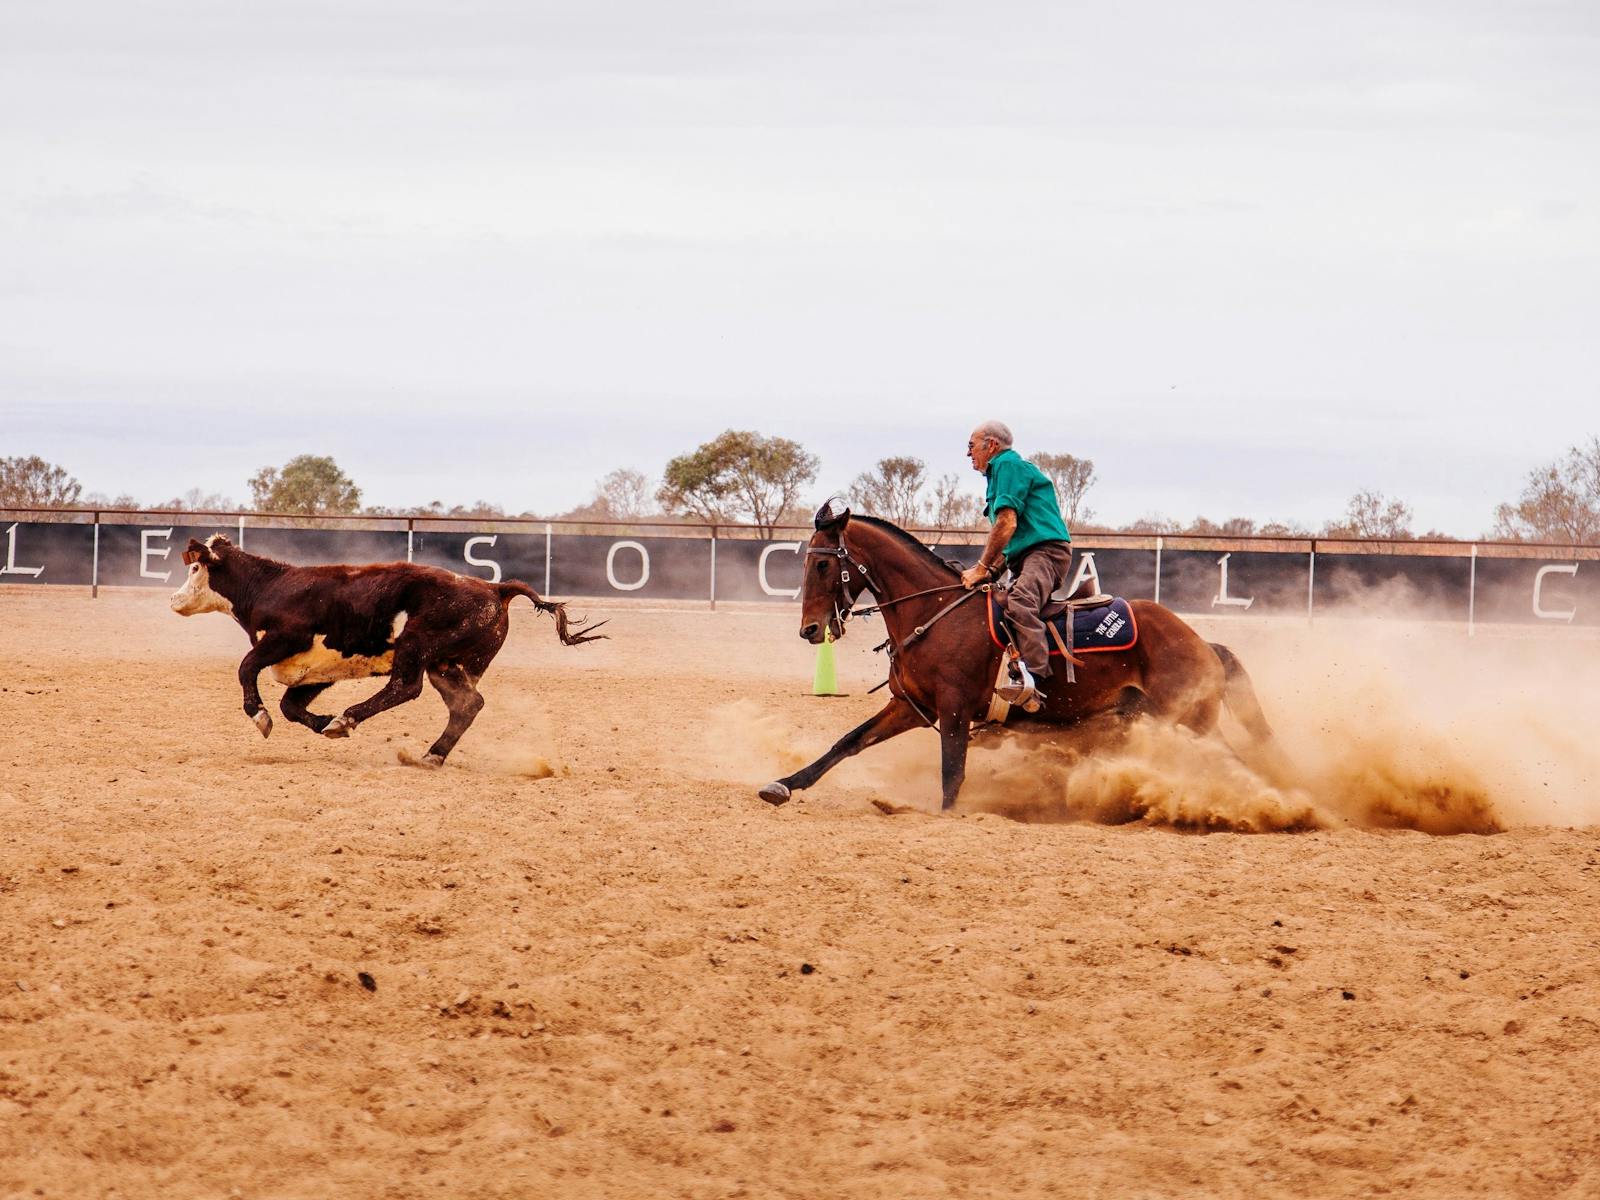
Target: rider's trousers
1039, 573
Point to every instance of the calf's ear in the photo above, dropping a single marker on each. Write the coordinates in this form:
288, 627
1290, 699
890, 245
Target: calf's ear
197, 552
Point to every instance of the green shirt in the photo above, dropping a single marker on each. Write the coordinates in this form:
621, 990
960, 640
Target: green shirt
1017, 484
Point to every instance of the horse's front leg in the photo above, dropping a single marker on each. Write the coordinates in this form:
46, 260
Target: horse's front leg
955, 734
896, 717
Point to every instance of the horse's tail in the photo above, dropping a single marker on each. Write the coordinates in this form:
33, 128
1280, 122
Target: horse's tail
569, 636
1239, 694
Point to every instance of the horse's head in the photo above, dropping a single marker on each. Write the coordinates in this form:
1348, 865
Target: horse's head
833, 578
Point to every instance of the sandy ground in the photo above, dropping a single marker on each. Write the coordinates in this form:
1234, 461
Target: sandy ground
601, 967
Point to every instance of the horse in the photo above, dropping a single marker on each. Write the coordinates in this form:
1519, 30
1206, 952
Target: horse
944, 661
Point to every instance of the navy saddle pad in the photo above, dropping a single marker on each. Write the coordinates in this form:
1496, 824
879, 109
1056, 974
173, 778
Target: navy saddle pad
1108, 627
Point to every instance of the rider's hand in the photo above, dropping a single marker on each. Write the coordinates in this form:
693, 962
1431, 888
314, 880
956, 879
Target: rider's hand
973, 576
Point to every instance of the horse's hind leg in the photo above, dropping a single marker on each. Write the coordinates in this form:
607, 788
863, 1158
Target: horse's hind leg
895, 718
295, 701
463, 700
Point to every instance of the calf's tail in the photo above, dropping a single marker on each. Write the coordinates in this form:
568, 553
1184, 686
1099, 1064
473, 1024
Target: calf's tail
569, 636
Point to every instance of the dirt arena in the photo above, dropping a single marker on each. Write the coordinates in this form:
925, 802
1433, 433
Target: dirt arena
600, 967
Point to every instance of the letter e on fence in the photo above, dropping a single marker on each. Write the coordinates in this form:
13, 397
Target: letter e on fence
611, 563
1539, 609
147, 552
761, 570
486, 540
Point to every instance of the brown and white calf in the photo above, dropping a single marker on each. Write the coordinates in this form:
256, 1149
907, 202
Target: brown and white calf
315, 626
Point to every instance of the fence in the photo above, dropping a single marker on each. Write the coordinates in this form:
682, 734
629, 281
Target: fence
1500, 583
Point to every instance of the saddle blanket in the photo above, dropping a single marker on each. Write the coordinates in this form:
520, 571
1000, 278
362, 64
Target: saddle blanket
1105, 627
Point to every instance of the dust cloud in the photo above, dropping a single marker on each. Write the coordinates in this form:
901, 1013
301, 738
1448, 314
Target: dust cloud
1385, 725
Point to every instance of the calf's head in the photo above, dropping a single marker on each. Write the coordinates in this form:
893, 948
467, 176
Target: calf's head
197, 595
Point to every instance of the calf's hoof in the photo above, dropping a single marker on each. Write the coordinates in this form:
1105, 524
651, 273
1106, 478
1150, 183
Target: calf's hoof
263, 721
775, 794
340, 726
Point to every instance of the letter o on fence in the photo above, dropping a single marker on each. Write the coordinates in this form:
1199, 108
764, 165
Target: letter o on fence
644, 567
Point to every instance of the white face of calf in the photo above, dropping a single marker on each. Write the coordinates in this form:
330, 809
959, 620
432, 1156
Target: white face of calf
196, 596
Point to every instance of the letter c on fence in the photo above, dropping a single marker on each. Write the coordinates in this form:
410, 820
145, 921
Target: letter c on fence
486, 540
1538, 587
761, 570
644, 567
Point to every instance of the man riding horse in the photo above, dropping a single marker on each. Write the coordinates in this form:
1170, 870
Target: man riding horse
1030, 537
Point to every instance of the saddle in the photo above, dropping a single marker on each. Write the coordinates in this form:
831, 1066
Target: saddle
1078, 625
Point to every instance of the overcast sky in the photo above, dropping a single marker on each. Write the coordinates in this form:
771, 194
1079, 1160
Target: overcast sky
1248, 257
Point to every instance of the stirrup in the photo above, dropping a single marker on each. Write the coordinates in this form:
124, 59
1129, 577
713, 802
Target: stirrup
1020, 688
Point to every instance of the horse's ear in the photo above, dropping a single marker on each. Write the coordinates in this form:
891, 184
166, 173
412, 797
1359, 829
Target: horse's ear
832, 514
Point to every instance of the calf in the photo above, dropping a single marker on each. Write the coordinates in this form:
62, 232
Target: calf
317, 625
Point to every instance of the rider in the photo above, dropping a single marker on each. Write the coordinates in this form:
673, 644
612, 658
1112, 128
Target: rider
1028, 535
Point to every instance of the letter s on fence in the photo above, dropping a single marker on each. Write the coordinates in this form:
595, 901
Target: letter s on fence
761, 570
1539, 609
486, 540
644, 567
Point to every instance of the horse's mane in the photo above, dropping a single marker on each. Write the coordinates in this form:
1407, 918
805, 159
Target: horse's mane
910, 542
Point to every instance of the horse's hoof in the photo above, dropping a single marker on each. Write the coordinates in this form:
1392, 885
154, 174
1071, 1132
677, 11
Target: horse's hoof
263, 722
774, 794
340, 726
431, 761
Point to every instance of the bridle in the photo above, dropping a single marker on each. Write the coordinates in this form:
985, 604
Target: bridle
849, 562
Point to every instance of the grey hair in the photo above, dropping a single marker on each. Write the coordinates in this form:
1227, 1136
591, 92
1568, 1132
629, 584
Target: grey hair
997, 430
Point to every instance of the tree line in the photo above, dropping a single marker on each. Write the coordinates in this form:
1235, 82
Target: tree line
744, 477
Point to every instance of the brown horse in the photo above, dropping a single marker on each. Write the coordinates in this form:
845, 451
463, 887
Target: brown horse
943, 662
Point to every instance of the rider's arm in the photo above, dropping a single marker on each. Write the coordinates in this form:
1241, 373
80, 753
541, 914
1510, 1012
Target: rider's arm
993, 557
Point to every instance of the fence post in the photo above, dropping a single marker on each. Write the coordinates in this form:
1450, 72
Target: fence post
713, 568
1158, 569
1311, 583
1472, 595
94, 571
547, 558
241, 531
411, 530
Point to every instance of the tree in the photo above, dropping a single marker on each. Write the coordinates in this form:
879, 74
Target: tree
624, 494
1073, 478
892, 490
33, 483
1370, 514
308, 484
194, 500
738, 473
1560, 503
953, 508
